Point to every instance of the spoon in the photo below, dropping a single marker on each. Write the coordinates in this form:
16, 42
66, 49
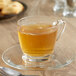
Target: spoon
10, 72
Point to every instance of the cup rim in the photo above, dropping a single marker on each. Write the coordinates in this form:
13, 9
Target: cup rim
54, 25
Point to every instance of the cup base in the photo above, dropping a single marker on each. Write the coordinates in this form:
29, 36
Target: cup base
39, 61
27, 58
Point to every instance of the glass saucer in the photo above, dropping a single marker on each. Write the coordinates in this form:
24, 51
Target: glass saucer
13, 57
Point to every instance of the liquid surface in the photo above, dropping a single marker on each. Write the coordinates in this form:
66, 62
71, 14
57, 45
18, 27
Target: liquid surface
37, 40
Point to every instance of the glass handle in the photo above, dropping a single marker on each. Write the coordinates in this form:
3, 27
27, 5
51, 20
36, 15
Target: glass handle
61, 28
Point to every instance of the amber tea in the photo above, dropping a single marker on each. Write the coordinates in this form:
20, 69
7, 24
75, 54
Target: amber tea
37, 39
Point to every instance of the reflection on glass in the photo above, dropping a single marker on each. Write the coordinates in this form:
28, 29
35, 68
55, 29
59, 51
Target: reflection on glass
69, 8
59, 5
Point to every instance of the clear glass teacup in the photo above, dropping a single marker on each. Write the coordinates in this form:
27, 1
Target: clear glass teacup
37, 37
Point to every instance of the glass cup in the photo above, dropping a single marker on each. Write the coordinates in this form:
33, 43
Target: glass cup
59, 5
69, 8
37, 37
